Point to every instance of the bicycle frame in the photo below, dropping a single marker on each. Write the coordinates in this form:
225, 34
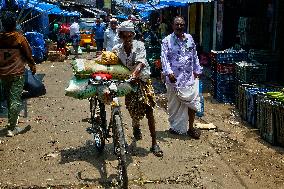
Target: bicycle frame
101, 130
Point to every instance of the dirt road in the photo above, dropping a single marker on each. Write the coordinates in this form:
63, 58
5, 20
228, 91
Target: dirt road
58, 152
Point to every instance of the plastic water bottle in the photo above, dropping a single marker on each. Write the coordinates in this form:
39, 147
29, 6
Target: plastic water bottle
201, 112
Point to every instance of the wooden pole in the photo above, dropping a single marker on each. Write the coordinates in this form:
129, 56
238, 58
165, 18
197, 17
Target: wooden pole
214, 27
220, 14
201, 23
188, 19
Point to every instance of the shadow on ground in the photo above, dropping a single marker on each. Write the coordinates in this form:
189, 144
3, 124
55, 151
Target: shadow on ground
100, 161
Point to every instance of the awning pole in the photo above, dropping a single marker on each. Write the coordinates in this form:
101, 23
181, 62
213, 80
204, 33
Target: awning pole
36, 16
21, 20
22, 10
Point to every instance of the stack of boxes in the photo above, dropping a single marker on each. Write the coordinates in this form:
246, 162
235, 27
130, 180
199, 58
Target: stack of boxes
223, 73
270, 119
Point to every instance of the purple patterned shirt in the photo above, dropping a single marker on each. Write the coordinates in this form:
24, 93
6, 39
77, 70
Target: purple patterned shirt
180, 58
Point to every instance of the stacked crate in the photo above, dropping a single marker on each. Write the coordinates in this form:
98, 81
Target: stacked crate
251, 72
246, 101
270, 119
269, 58
223, 73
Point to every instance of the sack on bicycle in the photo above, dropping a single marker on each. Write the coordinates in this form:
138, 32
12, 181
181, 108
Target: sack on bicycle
82, 68
82, 89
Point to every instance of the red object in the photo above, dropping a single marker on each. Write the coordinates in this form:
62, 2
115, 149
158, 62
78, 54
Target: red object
64, 28
225, 68
104, 76
158, 64
62, 50
204, 59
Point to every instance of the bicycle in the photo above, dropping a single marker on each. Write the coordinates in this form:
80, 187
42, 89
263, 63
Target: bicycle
101, 131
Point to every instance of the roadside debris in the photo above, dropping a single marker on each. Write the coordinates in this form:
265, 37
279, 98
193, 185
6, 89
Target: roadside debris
205, 126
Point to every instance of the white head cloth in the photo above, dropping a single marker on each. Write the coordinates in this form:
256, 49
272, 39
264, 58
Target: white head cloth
126, 26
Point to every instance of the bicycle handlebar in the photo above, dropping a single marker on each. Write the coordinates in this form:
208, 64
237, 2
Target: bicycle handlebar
109, 82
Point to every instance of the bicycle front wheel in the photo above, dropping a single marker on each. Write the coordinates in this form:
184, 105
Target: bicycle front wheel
97, 122
120, 150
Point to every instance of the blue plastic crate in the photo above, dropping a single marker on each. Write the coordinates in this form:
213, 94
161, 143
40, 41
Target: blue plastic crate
225, 77
229, 56
225, 97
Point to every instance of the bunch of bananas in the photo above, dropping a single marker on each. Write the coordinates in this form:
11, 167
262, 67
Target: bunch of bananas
278, 96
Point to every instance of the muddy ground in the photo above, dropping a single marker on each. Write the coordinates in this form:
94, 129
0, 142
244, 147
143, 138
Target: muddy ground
58, 153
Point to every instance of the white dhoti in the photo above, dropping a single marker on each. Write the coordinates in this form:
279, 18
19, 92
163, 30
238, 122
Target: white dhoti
179, 100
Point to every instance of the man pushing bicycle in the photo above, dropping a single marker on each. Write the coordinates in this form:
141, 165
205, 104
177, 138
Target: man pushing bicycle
132, 54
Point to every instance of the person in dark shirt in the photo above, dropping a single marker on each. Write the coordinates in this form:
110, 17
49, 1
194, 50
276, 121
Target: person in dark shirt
15, 53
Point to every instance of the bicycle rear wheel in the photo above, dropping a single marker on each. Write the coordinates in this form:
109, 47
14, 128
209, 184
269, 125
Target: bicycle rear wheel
97, 129
120, 150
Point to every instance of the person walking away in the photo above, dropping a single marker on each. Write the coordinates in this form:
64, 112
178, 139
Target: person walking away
181, 68
110, 35
15, 53
132, 53
75, 36
98, 31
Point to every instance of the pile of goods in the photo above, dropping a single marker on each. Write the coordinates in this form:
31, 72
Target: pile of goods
242, 77
270, 117
107, 66
56, 56
263, 107
269, 58
38, 46
246, 100
277, 96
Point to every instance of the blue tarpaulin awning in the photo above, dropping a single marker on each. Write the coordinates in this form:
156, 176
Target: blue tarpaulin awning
145, 9
182, 2
46, 8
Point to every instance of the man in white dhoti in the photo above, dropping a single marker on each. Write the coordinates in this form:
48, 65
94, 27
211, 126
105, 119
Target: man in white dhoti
181, 68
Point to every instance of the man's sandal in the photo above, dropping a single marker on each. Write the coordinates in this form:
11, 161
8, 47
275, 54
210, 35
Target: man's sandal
194, 133
173, 132
156, 150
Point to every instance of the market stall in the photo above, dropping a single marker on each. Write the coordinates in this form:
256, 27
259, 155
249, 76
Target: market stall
35, 15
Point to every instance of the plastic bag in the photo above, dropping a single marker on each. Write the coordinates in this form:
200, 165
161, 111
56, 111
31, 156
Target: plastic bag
33, 84
81, 89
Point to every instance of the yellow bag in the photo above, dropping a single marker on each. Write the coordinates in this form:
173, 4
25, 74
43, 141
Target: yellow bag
108, 58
